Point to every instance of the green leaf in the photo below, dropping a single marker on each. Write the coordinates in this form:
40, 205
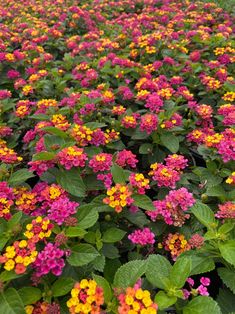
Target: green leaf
20, 176
99, 263
118, 174
87, 216
15, 219
82, 254
71, 181
170, 141
145, 148
143, 201
11, 303
158, 271
180, 272
72, 232
201, 304
228, 277
95, 125
226, 227
204, 214
128, 274
163, 300
44, 156
110, 251
30, 295
62, 286
8, 275
55, 131
103, 283
113, 235
39, 116
227, 250
226, 301
200, 263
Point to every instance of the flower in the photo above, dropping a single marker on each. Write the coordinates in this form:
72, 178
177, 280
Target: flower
148, 123
126, 158
142, 237
226, 210
18, 256
86, 297
135, 300
172, 208
39, 229
176, 244
138, 181
72, 156
50, 259
101, 162
61, 209
119, 196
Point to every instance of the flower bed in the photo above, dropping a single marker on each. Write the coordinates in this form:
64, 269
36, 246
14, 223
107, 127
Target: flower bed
117, 149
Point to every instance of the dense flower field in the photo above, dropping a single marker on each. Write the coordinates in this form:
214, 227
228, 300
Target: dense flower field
117, 157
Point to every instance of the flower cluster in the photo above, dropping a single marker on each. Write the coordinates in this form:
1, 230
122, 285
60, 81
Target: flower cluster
172, 208
226, 211
176, 244
50, 259
142, 237
136, 300
138, 181
72, 157
118, 197
86, 297
18, 256
6, 200
201, 289
101, 162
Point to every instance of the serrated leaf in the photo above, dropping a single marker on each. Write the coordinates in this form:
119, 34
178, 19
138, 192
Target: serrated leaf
227, 250
87, 216
180, 272
103, 283
20, 176
82, 254
199, 304
62, 286
158, 271
204, 214
30, 295
44, 156
11, 303
55, 131
228, 277
118, 174
128, 274
170, 141
71, 181
143, 201
163, 300
15, 219
75, 232
145, 148
113, 235
226, 301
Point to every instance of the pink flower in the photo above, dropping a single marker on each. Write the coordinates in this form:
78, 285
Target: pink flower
126, 158
142, 237
101, 162
148, 123
205, 281
50, 259
61, 209
72, 157
178, 162
202, 290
